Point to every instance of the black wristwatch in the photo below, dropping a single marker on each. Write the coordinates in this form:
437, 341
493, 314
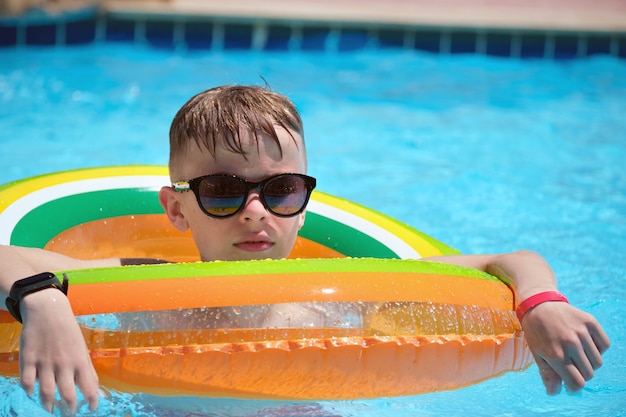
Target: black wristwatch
25, 286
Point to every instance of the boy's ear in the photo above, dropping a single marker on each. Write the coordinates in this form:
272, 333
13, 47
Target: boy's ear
169, 200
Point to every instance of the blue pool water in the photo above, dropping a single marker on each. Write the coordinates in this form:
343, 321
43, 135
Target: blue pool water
487, 155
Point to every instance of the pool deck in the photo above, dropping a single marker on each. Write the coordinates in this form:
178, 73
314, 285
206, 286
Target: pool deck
542, 15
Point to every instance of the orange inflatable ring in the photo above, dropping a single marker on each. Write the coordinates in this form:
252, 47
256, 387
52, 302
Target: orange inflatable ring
351, 316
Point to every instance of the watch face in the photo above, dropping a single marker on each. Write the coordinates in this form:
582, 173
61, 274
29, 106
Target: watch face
44, 276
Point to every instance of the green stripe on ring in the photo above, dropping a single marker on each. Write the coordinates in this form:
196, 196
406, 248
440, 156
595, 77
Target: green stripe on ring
43, 223
270, 267
342, 238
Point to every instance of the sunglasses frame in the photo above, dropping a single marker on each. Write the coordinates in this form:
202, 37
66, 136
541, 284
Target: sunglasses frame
194, 185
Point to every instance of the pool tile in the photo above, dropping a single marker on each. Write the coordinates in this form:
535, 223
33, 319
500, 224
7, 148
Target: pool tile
8, 35
532, 45
427, 40
199, 35
314, 38
391, 38
237, 36
566, 46
463, 42
80, 32
499, 44
353, 39
278, 37
118, 30
160, 34
621, 46
598, 45
41, 35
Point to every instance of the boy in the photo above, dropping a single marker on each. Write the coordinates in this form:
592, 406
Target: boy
231, 149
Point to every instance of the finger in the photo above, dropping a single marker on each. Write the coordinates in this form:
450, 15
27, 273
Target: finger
592, 352
600, 339
46, 389
572, 372
87, 382
573, 379
64, 409
551, 379
566, 369
67, 390
580, 368
28, 375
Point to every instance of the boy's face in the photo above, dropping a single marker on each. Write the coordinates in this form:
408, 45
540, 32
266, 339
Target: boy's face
252, 233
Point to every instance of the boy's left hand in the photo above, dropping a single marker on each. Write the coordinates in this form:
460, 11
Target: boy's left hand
567, 345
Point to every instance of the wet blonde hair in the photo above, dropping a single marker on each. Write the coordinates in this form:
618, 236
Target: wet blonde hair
219, 115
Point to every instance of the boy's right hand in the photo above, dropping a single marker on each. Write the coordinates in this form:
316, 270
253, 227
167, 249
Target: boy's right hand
53, 351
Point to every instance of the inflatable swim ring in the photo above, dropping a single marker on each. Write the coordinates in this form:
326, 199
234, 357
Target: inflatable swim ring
352, 315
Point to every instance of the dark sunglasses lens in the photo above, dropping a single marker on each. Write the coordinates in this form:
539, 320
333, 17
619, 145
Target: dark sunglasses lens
221, 196
286, 195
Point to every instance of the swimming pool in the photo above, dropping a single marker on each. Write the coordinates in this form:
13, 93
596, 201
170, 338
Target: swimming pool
485, 154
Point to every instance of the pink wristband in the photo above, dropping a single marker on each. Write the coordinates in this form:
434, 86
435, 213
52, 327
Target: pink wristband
534, 300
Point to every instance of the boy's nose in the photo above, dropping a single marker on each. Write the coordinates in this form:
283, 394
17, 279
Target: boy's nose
254, 208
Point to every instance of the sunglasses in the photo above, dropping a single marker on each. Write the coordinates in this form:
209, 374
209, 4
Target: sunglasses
222, 195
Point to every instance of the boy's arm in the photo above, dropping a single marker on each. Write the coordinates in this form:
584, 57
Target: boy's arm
52, 348
567, 343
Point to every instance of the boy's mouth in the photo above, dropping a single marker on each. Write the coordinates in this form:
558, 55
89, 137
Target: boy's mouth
254, 245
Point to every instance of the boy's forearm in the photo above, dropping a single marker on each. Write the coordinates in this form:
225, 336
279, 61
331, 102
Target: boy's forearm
19, 262
525, 272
